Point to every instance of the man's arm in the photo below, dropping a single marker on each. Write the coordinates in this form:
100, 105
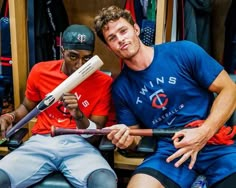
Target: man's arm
224, 104
82, 122
190, 141
7, 120
25, 107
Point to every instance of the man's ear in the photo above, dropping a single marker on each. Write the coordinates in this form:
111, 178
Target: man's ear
62, 52
137, 29
62, 49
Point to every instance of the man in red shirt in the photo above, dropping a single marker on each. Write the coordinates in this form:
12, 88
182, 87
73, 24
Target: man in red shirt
86, 106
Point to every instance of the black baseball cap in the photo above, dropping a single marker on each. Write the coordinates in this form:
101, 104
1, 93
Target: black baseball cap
78, 37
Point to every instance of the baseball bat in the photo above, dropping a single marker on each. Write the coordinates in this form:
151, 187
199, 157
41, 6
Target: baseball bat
159, 132
67, 85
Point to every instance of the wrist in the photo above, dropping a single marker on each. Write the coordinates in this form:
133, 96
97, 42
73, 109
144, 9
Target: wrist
12, 116
92, 125
79, 117
135, 142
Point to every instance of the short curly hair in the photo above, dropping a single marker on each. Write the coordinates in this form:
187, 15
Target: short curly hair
108, 14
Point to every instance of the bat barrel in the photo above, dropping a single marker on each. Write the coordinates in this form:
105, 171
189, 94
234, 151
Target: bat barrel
77, 77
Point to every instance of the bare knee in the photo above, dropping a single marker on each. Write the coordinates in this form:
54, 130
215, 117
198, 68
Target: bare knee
144, 180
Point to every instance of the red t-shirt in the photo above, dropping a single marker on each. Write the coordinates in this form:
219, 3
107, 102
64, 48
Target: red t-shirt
93, 94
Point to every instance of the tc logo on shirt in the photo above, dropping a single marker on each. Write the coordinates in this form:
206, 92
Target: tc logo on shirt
159, 99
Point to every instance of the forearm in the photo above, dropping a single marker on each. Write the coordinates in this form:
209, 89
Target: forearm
16, 115
23, 109
136, 139
19, 113
84, 122
223, 107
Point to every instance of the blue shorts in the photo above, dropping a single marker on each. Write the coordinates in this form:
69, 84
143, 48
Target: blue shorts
214, 162
43, 154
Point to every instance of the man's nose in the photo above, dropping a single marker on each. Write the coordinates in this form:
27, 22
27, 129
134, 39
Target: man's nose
120, 38
79, 62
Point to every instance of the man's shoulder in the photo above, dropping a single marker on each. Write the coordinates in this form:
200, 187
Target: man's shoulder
176, 44
121, 80
177, 47
47, 65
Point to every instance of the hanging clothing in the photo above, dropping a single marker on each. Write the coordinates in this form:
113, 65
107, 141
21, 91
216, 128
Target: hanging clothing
149, 25
129, 5
50, 20
230, 40
138, 14
180, 19
197, 20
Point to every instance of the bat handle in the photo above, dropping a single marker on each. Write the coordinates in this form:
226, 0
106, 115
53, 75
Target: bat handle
56, 131
53, 129
165, 132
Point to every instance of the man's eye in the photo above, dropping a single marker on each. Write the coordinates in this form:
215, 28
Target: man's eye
111, 38
123, 30
85, 59
73, 57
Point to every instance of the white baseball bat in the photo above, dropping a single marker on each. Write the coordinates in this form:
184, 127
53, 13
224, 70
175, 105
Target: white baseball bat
67, 85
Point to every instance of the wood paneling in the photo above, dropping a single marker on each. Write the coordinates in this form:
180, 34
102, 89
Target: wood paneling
17, 11
160, 21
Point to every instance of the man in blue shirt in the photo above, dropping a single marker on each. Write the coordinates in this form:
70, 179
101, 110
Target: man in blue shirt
170, 86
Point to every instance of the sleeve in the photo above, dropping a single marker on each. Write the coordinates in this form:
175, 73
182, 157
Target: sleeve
32, 91
124, 113
201, 66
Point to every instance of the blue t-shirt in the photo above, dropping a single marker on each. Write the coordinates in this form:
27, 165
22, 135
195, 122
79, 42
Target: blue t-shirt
172, 91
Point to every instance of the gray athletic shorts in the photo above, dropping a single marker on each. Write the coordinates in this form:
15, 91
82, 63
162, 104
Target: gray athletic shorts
43, 154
